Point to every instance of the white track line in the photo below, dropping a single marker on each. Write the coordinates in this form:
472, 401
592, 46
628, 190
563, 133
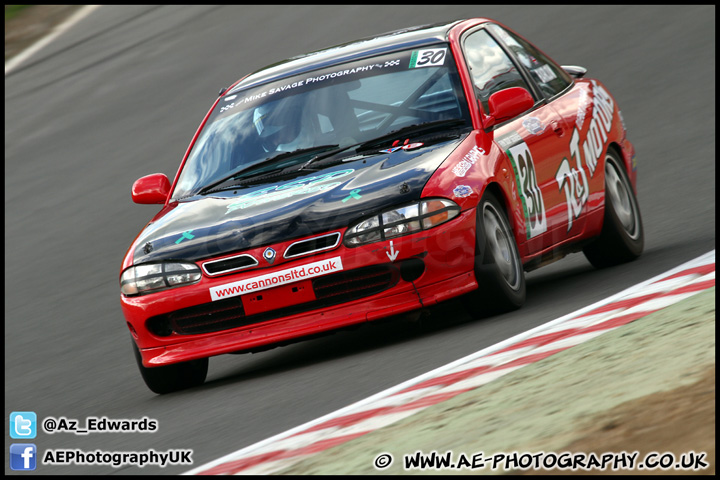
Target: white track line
56, 32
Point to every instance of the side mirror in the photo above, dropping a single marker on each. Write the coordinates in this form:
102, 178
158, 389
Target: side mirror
507, 104
575, 71
151, 189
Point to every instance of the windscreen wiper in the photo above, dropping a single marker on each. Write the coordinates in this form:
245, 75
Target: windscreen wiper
416, 129
244, 173
423, 128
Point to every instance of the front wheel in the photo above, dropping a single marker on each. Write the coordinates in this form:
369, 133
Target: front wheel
622, 237
170, 378
498, 268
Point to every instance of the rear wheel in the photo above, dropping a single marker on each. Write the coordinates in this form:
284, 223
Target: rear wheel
171, 378
622, 236
498, 268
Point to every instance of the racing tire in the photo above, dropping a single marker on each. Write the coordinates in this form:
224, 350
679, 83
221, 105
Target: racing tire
171, 378
498, 268
622, 237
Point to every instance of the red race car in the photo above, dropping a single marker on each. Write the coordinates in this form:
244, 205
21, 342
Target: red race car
371, 179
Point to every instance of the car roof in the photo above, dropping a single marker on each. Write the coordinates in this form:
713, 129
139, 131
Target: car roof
366, 47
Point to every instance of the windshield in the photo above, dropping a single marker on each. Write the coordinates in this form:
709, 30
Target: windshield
341, 105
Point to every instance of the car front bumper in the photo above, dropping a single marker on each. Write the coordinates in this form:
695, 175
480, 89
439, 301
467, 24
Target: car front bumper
424, 268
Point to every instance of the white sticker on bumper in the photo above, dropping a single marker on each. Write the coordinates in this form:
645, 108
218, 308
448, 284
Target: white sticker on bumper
275, 279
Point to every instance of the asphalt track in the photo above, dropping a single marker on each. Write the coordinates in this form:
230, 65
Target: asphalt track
120, 95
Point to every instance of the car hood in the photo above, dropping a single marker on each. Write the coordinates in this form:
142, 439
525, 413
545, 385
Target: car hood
264, 214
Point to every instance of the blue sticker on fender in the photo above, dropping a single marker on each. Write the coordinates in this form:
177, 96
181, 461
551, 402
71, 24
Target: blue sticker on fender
462, 191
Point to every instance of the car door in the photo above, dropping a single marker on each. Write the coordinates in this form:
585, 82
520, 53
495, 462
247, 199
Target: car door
536, 142
575, 172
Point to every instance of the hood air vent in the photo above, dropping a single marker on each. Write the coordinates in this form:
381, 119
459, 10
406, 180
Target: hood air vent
312, 245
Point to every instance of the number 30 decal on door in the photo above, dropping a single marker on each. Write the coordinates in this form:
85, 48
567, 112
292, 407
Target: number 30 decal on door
532, 201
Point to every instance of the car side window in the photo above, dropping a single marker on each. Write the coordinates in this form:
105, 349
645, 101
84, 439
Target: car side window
550, 78
490, 67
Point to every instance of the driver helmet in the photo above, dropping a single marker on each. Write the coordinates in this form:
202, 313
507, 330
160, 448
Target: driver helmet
278, 124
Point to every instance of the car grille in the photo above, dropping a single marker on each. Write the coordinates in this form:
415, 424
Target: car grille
346, 286
229, 313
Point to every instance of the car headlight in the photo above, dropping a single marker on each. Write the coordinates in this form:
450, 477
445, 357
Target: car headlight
153, 277
401, 221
